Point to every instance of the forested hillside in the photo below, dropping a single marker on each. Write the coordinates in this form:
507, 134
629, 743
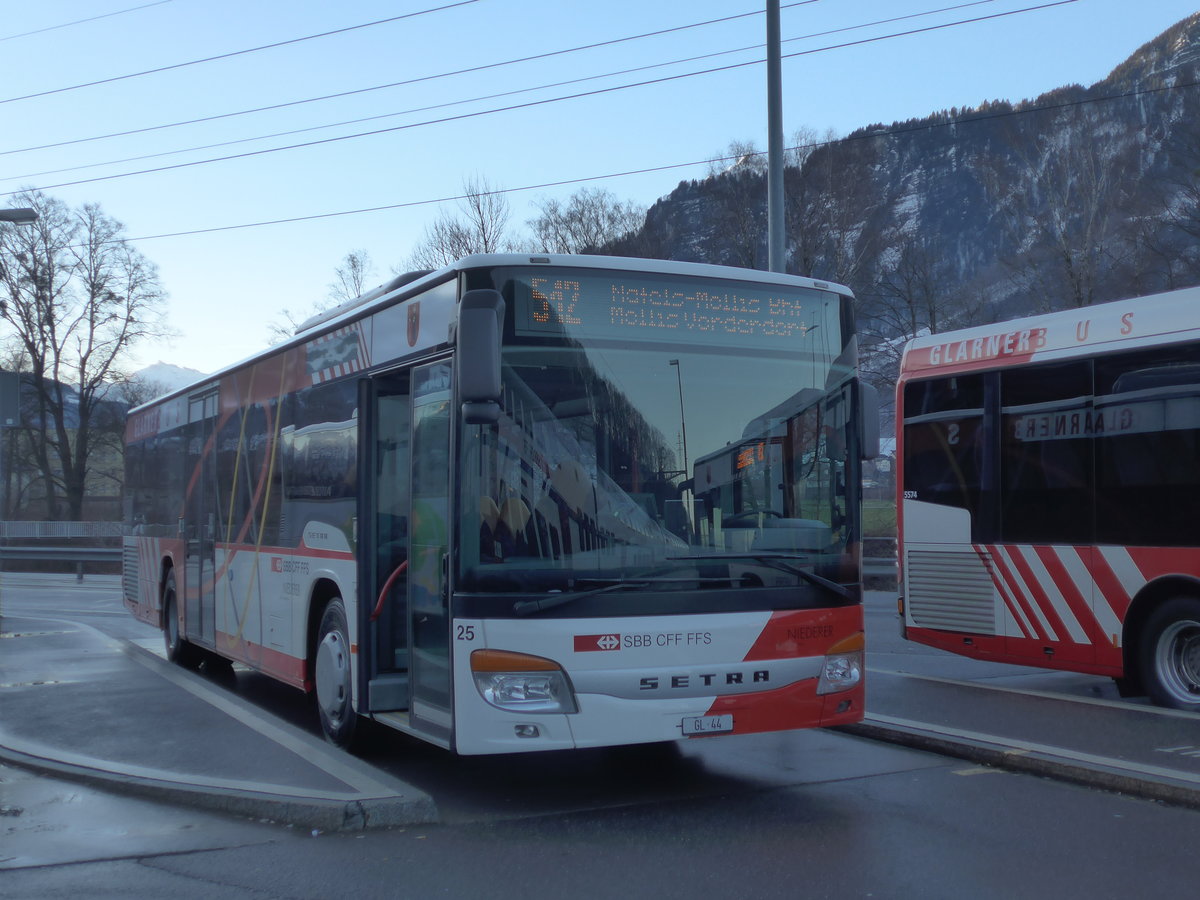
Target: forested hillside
1079, 196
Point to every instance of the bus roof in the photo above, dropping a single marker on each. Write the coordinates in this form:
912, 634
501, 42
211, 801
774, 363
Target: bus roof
1168, 318
580, 261
415, 282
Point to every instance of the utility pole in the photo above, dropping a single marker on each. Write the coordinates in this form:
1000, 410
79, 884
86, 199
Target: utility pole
776, 239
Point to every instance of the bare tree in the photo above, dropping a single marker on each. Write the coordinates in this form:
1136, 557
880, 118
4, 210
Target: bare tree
916, 292
77, 297
736, 192
589, 221
1166, 229
739, 156
351, 277
1061, 203
828, 201
350, 281
480, 227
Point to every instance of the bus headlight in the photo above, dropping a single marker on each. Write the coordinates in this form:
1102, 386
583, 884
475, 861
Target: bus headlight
843, 668
519, 682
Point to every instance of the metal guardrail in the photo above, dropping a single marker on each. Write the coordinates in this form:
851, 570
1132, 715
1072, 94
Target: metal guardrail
77, 555
44, 530
60, 554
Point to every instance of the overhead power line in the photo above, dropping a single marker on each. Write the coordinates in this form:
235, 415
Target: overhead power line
119, 12
208, 59
875, 134
417, 80
496, 96
545, 101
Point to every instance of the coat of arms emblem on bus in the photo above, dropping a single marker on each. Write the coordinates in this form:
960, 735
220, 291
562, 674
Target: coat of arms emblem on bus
414, 322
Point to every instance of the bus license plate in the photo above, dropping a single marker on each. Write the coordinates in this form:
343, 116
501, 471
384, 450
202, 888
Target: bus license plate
707, 724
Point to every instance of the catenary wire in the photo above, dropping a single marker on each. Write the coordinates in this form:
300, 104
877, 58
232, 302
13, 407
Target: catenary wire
220, 56
119, 12
873, 134
418, 80
536, 103
496, 96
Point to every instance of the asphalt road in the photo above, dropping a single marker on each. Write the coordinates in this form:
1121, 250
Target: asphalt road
785, 815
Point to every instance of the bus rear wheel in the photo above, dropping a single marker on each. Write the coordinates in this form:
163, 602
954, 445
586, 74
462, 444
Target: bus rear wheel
1170, 654
180, 650
332, 674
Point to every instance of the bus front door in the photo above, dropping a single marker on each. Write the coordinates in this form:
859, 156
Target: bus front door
405, 504
384, 512
428, 572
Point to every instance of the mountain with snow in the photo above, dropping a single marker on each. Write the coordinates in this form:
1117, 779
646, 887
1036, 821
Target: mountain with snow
164, 377
1078, 196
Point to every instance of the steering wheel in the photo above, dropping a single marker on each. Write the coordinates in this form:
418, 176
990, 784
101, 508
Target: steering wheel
750, 514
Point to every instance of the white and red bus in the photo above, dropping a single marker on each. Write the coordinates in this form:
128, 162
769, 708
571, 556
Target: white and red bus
461, 506
1049, 493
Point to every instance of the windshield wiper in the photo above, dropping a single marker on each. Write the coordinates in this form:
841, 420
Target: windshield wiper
529, 607
778, 562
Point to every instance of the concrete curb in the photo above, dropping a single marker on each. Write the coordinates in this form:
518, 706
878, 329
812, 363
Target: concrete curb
374, 799
1149, 783
326, 814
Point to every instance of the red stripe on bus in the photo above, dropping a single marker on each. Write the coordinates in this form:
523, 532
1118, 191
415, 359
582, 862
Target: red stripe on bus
1039, 596
1014, 584
1080, 605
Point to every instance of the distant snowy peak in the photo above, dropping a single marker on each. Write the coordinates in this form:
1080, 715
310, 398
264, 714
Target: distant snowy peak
167, 377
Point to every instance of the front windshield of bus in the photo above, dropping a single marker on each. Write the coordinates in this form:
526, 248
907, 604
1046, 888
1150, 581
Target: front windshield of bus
663, 443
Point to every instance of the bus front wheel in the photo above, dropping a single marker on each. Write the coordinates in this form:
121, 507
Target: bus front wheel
180, 650
1170, 654
333, 676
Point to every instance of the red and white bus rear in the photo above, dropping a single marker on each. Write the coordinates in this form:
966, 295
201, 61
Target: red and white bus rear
1048, 488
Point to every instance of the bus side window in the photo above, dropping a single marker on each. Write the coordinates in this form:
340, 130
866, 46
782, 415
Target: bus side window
1047, 423
1147, 480
945, 440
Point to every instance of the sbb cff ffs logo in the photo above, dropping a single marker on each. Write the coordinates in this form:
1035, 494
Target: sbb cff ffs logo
585, 643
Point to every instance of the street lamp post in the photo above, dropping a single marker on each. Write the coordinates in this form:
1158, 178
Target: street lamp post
682, 417
21, 216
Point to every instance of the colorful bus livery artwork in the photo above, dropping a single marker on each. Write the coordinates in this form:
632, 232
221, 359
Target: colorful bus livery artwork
489, 507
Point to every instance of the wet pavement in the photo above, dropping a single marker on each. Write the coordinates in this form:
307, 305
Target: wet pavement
78, 703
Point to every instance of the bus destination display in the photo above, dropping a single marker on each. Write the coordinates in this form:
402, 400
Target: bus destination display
633, 308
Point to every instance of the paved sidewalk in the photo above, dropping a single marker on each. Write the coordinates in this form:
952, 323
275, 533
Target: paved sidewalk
76, 703
1141, 750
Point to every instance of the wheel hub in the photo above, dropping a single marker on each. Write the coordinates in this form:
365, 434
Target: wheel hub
1180, 644
333, 676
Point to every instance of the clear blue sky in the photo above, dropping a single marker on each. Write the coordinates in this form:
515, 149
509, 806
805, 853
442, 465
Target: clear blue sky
227, 286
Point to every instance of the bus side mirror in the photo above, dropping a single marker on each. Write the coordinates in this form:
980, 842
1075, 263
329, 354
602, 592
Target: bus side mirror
480, 315
868, 407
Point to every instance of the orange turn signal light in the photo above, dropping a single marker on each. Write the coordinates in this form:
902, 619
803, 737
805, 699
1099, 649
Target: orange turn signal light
508, 661
856, 641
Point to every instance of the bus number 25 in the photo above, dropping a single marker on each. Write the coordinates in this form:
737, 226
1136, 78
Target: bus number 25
466, 633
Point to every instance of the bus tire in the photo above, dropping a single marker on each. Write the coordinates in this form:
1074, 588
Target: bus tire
333, 676
1169, 657
180, 650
